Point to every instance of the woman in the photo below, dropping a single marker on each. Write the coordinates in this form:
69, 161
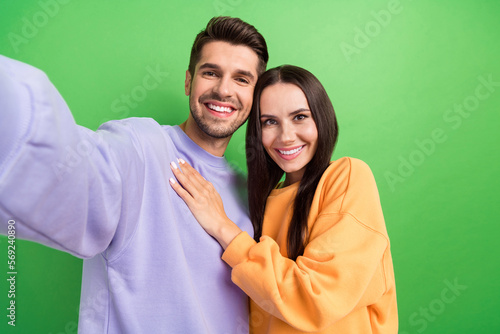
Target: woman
320, 261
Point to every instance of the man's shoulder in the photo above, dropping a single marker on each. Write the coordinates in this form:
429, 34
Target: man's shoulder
140, 134
138, 123
141, 127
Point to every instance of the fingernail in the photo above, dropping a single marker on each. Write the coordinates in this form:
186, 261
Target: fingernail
181, 161
172, 181
173, 165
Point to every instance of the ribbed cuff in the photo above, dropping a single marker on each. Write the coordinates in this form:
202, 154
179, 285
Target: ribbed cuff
237, 251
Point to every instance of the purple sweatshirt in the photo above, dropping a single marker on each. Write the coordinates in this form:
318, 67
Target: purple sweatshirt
104, 196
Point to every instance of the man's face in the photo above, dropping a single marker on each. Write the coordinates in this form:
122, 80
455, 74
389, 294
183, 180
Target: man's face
221, 89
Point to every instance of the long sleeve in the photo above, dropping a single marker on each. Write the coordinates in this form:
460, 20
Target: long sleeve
345, 263
60, 182
104, 196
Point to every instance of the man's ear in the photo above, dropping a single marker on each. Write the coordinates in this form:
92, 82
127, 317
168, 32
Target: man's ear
187, 83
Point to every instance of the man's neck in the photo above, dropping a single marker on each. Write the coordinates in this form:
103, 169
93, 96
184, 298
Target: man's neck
214, 146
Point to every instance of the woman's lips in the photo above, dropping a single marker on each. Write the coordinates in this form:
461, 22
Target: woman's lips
289, 153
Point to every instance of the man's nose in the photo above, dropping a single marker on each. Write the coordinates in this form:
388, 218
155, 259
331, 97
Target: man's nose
224, 87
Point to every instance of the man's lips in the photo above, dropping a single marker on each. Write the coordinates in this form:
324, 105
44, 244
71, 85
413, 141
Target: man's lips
219, 106
290, 152
219, 111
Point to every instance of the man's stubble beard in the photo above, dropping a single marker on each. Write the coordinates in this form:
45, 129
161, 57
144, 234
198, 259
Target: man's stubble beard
214, 128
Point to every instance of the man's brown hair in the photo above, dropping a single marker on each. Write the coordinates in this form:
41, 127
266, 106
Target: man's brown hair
233, 31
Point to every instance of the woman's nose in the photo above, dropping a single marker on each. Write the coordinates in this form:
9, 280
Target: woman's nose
287, 135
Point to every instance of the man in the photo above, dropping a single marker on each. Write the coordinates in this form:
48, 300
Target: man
148, 265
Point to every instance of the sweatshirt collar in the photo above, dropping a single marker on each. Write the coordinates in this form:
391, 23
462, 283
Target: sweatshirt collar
195, 151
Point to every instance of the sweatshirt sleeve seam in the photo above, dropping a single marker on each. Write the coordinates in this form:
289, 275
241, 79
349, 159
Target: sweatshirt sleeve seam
359, 222
347, 185
22, 139
117, 254
366, 227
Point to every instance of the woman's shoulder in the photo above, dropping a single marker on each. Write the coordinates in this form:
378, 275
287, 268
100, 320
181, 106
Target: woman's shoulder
348, 187
347, 167
346, 176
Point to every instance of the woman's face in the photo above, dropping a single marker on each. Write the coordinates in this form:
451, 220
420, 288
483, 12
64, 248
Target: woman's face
289, 133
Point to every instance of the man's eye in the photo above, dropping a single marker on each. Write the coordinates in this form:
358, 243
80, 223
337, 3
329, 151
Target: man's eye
242, 80
209, 74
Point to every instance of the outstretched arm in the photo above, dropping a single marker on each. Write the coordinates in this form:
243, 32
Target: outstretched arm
62, 183
204, 202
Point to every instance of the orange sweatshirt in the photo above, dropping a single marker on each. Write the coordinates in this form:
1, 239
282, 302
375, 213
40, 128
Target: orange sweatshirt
344, 282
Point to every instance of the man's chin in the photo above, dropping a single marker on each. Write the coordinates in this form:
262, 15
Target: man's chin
217, 133
217, 128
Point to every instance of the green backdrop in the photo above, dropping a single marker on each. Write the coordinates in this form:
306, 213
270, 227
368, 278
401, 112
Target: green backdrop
416, 88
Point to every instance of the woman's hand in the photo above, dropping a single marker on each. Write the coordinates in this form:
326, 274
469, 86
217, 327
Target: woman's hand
204, 202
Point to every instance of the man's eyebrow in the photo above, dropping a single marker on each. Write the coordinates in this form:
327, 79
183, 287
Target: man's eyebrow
209, 65
217, 67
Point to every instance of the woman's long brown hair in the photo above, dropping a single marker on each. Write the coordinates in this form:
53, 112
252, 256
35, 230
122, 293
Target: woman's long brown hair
264, 174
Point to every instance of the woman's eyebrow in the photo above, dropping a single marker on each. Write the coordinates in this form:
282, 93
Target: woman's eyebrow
298, 111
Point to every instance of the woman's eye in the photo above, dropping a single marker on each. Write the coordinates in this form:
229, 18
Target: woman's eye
300, 117
268, 122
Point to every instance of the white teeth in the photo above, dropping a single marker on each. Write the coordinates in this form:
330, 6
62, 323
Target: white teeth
219, 108
292, 151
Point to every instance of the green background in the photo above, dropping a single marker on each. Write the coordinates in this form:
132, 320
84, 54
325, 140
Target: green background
398, 72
